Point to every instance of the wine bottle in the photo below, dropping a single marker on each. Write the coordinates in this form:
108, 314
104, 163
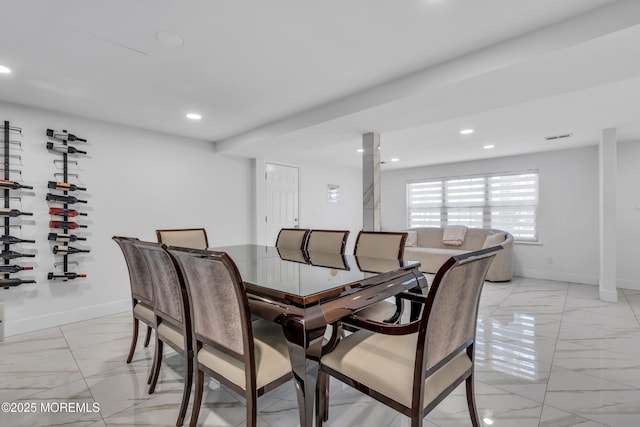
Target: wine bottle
63, 136
6, 283
13, 254
64, 276
65, 149
64, 186
65, 212
13, 212
68, 250
9, 240
67, 225
13, 268
65, 237
12, 185
63, 199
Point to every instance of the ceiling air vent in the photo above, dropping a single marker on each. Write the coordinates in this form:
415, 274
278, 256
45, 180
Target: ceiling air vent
555, 137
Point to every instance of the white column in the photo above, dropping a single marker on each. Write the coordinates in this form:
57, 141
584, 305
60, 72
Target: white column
371, 182
608, 162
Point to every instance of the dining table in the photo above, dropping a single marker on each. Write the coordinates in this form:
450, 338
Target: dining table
305, 292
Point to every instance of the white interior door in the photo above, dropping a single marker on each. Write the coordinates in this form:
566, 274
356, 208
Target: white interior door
281, 199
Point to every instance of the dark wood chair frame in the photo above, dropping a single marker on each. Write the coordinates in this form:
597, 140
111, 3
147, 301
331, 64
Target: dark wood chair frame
345, 236
169, 230
135, 299
252, 392
187, 351
304, 238
421, 326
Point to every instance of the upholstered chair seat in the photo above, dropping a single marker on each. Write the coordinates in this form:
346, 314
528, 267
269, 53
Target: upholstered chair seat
144, 311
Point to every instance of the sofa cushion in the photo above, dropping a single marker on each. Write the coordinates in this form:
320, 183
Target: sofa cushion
412, 238
431, 259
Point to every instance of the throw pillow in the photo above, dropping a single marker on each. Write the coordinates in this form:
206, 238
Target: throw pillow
412, 238
494, 239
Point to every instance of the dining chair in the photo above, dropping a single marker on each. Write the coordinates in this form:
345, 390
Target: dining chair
195, 238
141, 291
327, 241
292, 238
251, 358
386, 245
412, 367
173, 317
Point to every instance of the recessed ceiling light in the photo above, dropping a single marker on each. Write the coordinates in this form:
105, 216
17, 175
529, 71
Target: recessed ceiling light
395, 159
169, 39
489, 146
194, 116
466, 131
4, 70
360, 150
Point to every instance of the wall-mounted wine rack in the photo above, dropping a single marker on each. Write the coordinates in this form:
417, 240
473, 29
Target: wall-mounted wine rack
12, 190
60, 193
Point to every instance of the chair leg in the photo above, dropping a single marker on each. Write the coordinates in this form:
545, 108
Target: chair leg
148, 337
471, 402
157, 363
134, 340
322, 398
188, 378
197, 398
252, 407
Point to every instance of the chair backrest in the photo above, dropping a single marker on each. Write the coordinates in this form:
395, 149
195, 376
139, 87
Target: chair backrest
139, 278
219, 306
195, 238
292, 238
168, 286
449, 320
380, 244
327, 241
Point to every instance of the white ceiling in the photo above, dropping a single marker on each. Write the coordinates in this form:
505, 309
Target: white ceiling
294, 79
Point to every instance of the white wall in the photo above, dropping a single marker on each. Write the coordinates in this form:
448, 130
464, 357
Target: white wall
567, 215
137, 181
315, 211
628, 215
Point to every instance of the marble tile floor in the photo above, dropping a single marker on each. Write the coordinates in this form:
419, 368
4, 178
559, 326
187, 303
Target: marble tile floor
549, 354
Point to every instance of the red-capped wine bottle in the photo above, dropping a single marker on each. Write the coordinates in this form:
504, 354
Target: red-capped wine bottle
65, 237
14, 268
63, 136
65, 212
12, 185
68, 250
13, 212
65, 149
64, 186
13, 254
9, 240
63, 199
65, 276
67, 225
7, 283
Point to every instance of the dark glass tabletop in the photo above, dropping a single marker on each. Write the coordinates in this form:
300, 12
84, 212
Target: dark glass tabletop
306, 275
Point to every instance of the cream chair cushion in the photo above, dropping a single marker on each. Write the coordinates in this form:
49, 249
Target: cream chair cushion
271, 353
169, 333
385, 363
325, 241
145, 312
380, 311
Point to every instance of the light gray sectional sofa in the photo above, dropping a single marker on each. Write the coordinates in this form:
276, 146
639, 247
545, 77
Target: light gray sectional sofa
425, 245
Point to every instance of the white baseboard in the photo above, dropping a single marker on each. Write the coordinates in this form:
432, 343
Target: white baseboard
558, 276
629, 284
609, 296
64, 317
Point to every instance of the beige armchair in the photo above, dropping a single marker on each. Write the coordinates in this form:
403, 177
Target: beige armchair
250, 358
172, 314
413, 367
